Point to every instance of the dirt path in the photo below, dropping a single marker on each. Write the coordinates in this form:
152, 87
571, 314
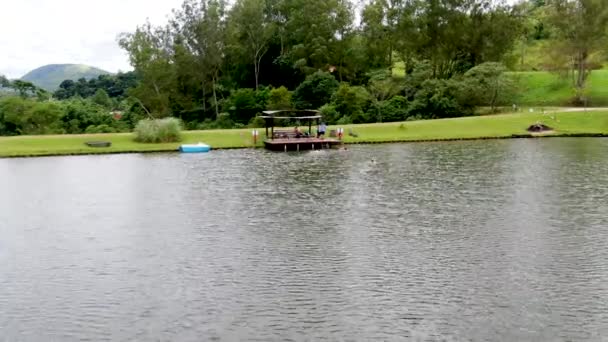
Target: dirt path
577, 109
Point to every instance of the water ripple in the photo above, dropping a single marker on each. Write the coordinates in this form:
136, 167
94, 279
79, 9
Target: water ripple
483, 241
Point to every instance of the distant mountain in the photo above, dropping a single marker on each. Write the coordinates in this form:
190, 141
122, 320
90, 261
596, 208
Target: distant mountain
50, 76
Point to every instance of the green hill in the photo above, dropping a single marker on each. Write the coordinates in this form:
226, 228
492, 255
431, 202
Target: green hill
545, 88
50, 76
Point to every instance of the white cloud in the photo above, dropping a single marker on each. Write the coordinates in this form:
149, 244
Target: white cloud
38, 32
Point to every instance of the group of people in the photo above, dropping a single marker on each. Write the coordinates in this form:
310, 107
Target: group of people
320, 131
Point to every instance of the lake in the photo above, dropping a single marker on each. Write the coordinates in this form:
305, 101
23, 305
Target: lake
482, 240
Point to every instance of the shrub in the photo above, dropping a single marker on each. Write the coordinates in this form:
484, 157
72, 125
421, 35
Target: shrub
440, 98
330, 114
224, 121
101, 98
487, 85
345, 120
245, 103
80, 114
256, 122
26, 116
207, 124
158, 131
353, 101
395, 109
100, 129
280, 98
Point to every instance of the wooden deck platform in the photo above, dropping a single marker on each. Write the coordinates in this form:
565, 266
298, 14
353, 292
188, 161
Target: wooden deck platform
300, 144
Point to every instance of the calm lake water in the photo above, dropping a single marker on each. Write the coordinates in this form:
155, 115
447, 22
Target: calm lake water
488, 240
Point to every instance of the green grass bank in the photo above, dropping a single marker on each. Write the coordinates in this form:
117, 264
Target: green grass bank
477, 127
537, 88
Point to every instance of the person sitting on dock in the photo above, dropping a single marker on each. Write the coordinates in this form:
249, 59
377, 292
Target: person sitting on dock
297, 132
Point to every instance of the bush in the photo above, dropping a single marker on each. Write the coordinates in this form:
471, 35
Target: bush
395, 109
158, 131
280, 98
487, 85
256, 122
353, 101
26, 116
100, 129
345, 120
223, 121
245, 103
440, 99
330, 114
316, 90
80, 114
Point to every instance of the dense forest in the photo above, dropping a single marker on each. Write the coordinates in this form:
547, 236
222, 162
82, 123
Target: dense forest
216, 66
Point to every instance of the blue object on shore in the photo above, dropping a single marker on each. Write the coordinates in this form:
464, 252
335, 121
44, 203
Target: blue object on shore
195, 148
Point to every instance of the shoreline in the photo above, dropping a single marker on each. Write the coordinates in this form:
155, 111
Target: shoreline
565, 124
371, 142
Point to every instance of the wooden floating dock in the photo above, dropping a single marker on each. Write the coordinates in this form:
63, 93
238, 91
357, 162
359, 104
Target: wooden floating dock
300, 144
294, 140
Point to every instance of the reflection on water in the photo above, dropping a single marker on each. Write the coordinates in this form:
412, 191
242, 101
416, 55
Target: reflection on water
489, 240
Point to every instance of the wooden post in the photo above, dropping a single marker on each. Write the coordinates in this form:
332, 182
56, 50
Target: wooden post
309, 128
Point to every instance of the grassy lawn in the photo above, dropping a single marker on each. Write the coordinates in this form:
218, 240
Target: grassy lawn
121, 142
545, 88
494, 126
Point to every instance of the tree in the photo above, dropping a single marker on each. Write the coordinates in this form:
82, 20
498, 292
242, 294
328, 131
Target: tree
313, 30
102, 99
315, 91
388, 27
24, 88
456, 35
382, 86
280, 98
149, 50
200, 27
579, 32
489, 86
245, 103
439, 98
352, 101
27, 116
251, 31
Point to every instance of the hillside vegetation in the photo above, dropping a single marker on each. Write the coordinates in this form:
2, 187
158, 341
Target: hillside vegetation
49, 77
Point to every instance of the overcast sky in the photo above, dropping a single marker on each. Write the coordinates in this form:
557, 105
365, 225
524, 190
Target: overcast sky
34, 33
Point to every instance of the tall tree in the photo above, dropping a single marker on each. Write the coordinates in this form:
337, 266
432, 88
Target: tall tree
314, 28
386, 25
251, 31
201, 25
579, 32
24, 88
150, 50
